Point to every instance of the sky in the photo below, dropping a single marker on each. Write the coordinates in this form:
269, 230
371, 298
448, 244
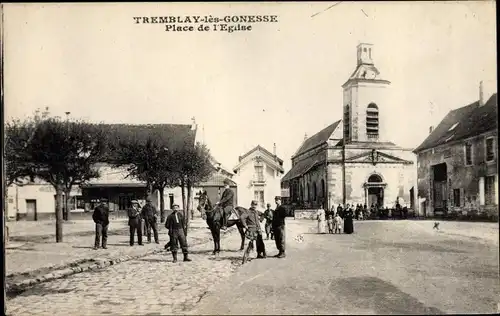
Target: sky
272, 84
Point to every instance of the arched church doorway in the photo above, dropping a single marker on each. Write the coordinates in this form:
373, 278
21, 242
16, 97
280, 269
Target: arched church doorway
374, 194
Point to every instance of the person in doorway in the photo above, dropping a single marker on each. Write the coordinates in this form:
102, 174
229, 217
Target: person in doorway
226, 203
320, 216
253, 231
135, 222
279, 216
348, 221
150, 215
268, 216
176, 226
101, 220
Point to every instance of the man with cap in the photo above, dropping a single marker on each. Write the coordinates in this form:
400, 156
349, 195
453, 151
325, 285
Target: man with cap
135, 222
226, 203
150, 215
268, 216
177, 232
279, 227
101, 220
251, 222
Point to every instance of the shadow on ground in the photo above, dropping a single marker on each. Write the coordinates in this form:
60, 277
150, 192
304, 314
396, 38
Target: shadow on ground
378, 295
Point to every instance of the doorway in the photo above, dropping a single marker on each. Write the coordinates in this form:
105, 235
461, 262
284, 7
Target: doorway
440, 192
31, 213
375, 196
171, 200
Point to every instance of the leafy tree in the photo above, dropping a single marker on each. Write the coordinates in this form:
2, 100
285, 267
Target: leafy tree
193, 167
149, 161
64, 154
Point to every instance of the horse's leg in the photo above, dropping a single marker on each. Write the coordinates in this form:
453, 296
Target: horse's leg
212, 231
217, 238
241, 230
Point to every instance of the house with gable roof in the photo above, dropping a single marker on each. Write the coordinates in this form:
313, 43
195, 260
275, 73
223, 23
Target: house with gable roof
457, 164
258, 176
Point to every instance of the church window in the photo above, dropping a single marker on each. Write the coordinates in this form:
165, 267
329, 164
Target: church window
347, 122
372, 121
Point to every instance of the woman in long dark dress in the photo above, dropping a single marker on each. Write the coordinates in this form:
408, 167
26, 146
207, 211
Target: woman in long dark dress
348, 222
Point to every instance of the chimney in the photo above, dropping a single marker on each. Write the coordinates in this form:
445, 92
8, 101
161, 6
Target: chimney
481, 93
305, 136
193, 124
274, 149
431, 128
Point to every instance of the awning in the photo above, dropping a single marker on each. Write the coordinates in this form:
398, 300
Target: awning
113, 185
303, 166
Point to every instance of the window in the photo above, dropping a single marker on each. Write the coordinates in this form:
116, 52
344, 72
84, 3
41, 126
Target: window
468, 154
490, 152
259, 173
489, 190
456, 197
372, 121
259, 197
347, 122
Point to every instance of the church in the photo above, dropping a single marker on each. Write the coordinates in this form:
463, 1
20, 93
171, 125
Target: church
353, 161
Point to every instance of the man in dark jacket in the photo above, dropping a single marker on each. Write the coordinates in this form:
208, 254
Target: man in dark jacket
226, 203
268, 216
101, 220
177, 232
279, 227
251, 222
150, 215
340, 211
135, 222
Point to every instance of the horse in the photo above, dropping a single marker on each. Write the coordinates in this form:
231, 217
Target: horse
213, 217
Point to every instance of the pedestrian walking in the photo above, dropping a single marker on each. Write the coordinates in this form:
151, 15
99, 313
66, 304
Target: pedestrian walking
176, 226
253, 232
279, 216
101, 220
320, 216
150, 215
268, 216
135, 222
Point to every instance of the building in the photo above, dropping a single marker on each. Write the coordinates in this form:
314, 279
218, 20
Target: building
215, 185
458, 163
353, 160
258, 175
36, 200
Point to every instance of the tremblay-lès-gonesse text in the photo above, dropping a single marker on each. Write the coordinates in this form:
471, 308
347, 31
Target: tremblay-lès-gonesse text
189, 23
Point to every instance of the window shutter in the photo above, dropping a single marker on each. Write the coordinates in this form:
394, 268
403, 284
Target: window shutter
462, 198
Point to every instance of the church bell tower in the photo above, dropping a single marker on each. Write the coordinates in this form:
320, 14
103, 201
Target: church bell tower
364, 100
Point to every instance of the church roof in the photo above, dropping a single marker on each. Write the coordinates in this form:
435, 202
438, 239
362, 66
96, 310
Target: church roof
317, 139
303, 166
468, 121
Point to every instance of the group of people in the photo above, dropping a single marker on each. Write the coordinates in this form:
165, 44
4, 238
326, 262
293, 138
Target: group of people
175, 224
274, 227
335, 218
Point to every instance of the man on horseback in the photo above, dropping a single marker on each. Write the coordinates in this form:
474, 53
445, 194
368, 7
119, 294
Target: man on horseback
226, 203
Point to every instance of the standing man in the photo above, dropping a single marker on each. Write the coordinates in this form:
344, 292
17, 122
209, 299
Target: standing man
177, 232
251, 222
339, 211
268, 216
226, 203
150, 215
135, 223
101, 220
279, 227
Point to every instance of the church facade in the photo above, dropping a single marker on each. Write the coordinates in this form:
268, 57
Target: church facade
353, 161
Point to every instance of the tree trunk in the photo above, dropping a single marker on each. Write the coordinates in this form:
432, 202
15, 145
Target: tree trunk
162, 204
188, 204
67, 196
184, 212
59, 214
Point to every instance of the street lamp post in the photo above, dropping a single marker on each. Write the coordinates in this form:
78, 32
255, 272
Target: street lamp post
66, 196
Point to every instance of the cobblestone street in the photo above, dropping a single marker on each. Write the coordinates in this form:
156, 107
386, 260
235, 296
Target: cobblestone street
149, 285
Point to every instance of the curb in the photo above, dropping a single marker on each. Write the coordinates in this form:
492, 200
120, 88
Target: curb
88, 265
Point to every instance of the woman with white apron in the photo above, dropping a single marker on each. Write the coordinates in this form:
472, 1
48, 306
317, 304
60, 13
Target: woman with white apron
321, 221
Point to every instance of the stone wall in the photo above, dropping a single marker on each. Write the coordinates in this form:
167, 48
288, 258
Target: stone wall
305, 214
